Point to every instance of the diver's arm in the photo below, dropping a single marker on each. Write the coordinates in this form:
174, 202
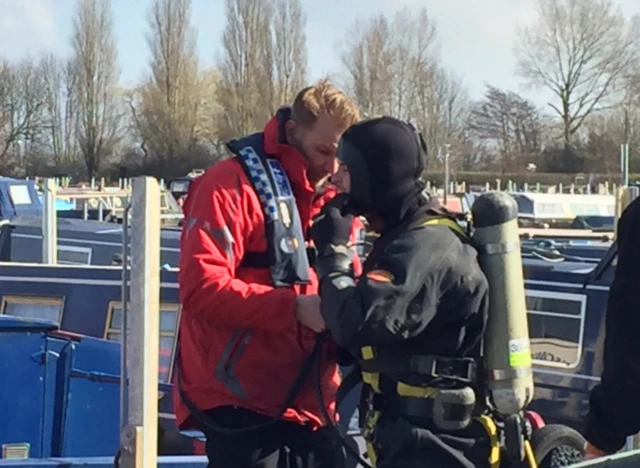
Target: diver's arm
392, 302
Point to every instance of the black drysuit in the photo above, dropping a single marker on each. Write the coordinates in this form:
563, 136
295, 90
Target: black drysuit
614, 410
421, 292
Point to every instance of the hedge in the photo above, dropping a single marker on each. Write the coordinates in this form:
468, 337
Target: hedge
481, 178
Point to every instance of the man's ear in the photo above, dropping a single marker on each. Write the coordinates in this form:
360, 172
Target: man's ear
290, 130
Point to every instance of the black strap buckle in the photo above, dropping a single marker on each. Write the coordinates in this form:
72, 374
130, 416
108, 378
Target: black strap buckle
460, 369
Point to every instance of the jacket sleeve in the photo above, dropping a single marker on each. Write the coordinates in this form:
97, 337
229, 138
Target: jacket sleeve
394, 301
614, 411
220, 219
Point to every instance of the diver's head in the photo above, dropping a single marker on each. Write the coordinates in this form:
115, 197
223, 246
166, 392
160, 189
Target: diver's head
380, 164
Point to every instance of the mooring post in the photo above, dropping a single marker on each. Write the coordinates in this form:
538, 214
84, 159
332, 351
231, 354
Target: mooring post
49, 223
139, 438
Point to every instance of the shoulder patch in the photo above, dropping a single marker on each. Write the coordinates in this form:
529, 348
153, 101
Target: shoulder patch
381, 276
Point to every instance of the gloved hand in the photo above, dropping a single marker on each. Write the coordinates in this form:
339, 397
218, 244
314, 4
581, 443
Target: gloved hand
332, 227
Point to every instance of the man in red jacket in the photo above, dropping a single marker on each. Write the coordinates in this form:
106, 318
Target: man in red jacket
250, 310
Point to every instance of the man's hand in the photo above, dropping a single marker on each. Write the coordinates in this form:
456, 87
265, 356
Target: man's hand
331, 227
308, 312
591, 452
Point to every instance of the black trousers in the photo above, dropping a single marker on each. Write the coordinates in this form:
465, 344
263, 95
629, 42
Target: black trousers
402, 442
280, 445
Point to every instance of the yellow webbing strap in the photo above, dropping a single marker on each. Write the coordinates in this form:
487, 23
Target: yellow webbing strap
450, 223
368, 377
367, 432
492, 429
407, 390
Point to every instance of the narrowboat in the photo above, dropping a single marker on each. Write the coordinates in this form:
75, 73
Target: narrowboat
566, 303
80, 241
565, 210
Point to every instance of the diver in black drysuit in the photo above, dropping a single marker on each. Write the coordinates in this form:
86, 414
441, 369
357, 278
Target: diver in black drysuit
421, 295
614, 409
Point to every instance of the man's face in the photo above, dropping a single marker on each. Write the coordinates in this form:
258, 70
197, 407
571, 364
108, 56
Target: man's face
318, 145
341, 179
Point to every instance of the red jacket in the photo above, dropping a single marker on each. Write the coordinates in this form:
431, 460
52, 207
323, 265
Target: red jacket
239, 341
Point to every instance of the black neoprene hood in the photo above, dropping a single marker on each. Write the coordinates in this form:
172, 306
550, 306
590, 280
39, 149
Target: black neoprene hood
385, 160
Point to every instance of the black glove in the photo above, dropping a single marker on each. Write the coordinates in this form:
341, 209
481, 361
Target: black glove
332, 227
330, 233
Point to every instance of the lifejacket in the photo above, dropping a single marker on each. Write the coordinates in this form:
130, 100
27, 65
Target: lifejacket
286, 255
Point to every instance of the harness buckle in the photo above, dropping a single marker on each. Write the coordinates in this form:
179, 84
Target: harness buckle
460, 369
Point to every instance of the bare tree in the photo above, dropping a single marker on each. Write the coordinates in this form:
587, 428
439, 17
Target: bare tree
391, 66
633, 84
60, 109
168, 115
290, 49
508, 126
264, 78
580, 50
95, 66
367, 62
243, 41
415, 60
439, 107
21, 105
264, 62
604, 132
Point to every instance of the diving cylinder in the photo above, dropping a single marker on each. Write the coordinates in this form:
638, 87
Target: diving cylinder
507, 351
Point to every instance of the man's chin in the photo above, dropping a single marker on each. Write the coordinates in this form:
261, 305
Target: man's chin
321, 183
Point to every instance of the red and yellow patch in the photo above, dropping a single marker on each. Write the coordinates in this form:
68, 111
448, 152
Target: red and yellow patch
381, 276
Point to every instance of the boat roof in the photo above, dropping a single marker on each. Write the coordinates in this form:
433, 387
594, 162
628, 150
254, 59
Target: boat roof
22, 323
573, 234
84, 227
563, 197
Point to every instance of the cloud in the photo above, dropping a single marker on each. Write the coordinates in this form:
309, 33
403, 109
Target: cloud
26, 27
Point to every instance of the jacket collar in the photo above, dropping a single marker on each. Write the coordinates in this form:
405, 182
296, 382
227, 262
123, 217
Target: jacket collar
275, 145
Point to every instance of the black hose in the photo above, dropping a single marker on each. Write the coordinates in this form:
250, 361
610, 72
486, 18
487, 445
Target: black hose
348, 448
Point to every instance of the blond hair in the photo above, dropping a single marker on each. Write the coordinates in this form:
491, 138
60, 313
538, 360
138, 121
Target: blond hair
324, 98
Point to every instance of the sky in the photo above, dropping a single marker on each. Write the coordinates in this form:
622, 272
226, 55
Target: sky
476, 36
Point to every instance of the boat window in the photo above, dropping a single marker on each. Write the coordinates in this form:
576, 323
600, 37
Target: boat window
525, 205
169, 318
180, 186
71, 255
549, 209
20, 194
556, 325
34, 307
585, 209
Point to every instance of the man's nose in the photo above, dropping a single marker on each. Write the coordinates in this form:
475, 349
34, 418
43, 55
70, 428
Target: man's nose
332, 166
